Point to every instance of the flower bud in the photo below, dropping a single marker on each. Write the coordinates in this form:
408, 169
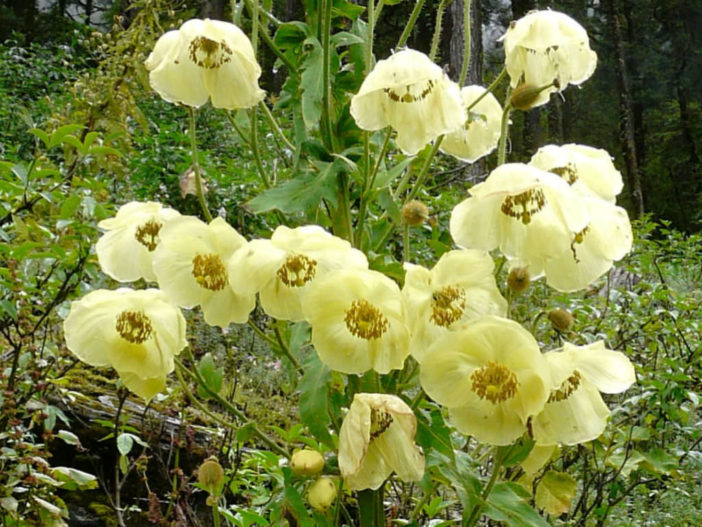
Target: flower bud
560, 319
322, 493
211, 476
518, 279
307, 462
526, 96
414, 213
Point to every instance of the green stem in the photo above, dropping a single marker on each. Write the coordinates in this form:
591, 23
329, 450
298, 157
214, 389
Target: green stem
437, 29
196, 166
276, 343
466, 43
421, 177
410, 24
504, 127
238, 129
269, 42
490, 89
366, 508
255, 150
371, 29
499, 457
276, 128
405, 243
326, 84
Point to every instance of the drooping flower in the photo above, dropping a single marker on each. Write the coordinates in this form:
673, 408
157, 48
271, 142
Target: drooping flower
282, 269
528, 213
491, 376
205, 59
478, 136
460, 287
377, 438
135, 332
410, 93
191, 266
358, 321
126, 249
547, 46
589, 170
575, 412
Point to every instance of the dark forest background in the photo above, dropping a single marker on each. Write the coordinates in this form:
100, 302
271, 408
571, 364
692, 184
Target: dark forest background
642, 104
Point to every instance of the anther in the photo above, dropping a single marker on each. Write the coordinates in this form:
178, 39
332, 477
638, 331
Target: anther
134, 326
147, 234
524, 205
208, 53
447, 305
365, 321
380, 422
566, 388
297, 270
494, 382
209, 272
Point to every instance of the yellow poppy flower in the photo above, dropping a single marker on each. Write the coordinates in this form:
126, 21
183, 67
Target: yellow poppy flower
282, 269
191, 266
478, 136
589, 170
127, 247
490, 375
575, 412
205, 59
528, 213
460, 287
410, 93
377, 438
544, 46
135, 332
358, 321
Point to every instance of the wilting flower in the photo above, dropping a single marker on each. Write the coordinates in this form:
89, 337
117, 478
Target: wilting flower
282, 269
478, 136
205, 59
605, 239
528, 213
491, 376
191, 266
410, 93
358, 321
460, 287
575, 412
589, 170
135, 332
547, 46
127, 247
377, 438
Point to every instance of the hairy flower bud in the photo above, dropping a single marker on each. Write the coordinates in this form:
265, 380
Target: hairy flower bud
307, 462
527, 96
414, 213
211, 476
518, 279
322, 493
561, 319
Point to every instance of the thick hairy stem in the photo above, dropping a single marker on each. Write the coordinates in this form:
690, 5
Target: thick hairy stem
410, 24
437, 29
196, 167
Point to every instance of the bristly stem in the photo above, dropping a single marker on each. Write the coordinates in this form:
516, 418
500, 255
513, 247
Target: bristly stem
326, 76
196, 167
437, 30
410, 24
466, 43
504, 129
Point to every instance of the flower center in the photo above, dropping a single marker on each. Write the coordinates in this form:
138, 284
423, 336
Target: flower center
147, 234
568, 172
297, 270
524, 205
566, 388
134, 326
413, 92
208, 53
380, 422
447, 305
365, 321
494, 382
209, 271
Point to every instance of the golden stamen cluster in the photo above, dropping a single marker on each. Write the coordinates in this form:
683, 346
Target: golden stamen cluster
147, 234
566, 389
297, 270
380, 422
494, 382
447, 305
530, 202
134, 326
408, 96
365, 321
209, 271
208, 53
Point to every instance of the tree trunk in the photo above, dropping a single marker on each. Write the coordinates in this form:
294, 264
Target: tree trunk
626, 122
453, 49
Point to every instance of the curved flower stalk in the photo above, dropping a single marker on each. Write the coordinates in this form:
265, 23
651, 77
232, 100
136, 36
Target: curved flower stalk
547, 48
410, 93
478, 136
588, 170
575, 412
377, 438
205, 59
490, 375
528, 213
283, 268
358, 321
126, 249
135, 332
460, 287
191, 266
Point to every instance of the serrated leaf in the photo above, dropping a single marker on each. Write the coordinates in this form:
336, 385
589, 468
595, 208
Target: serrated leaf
432, 432
507, 503
554, 492
314, 403
211, 375
291, 34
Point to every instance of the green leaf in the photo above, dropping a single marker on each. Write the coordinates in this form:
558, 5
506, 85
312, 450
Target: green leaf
68, 437
554, 492
73, 141
69, 206
432, 432
344, 38
105, 150
519, 452
295, 504
386, 177
41, 134
211, 375
59, 134
312, 82
8, 307
291, 34
658, 461
507, 503
74, 479
314, 403
125, 443
21, 172
9, 503
346, 9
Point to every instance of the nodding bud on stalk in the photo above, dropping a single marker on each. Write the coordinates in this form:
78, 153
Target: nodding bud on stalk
526, 96
560, 319
211, 476
414, 213
322, 493
518, 279
307, 462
